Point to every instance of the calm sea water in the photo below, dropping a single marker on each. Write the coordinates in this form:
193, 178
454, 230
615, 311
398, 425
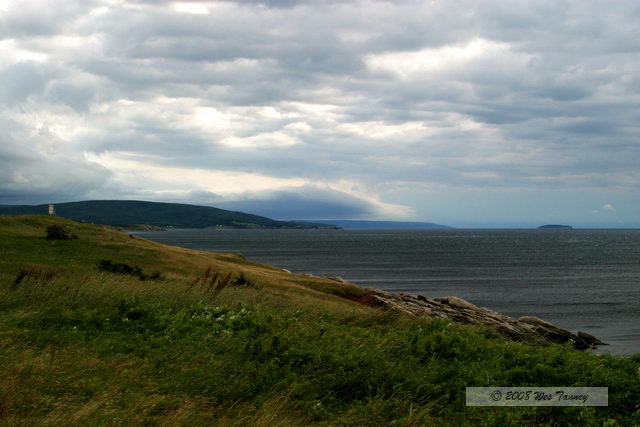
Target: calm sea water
586, 280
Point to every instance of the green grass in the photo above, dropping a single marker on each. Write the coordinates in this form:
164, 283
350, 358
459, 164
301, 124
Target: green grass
83, 346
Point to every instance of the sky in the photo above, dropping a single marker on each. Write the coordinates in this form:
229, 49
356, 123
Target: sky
466, 113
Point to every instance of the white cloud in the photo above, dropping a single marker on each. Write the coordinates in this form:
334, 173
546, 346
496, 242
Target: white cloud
137, 169
271, 139
446, 59
191, 7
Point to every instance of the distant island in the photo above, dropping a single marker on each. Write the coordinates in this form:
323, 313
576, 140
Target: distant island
381, 225
134, 214
555, 227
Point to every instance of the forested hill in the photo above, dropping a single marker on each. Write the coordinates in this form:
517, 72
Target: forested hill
131, 212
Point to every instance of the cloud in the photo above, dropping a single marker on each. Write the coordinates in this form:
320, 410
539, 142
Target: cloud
163, 98
35, 168
311, 202
20, 81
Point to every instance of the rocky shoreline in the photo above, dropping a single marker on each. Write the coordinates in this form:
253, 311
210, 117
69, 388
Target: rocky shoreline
529, 329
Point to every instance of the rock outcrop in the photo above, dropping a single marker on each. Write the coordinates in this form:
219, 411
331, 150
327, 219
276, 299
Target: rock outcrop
530, 330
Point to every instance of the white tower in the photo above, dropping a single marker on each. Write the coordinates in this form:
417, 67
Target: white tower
52, 210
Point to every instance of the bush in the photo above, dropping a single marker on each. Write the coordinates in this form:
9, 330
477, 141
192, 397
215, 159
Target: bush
121, 268
56, 232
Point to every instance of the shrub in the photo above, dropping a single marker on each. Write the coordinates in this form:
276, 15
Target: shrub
121, 268
57, 232
241, 280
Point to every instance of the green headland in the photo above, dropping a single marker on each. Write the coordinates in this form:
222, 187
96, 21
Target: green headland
104, 328
135, 214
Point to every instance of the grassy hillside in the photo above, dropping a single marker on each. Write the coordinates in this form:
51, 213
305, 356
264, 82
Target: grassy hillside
80, 345
131, 212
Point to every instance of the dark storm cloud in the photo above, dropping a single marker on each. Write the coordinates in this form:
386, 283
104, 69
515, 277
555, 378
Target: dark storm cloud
34, 168
304, 203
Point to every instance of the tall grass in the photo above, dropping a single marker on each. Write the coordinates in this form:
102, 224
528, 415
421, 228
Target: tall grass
107, 348
216, 345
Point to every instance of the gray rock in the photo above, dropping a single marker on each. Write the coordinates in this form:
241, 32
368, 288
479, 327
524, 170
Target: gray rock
590, 339
530, 330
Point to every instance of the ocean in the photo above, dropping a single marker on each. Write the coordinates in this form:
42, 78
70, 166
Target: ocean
581, 280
